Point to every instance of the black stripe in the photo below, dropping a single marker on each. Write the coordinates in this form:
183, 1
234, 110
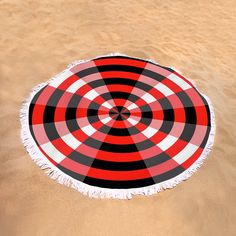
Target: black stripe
120, 81
145, 108
50, 107
169, 115
51, 131
119, 184
92, 112
120, 57
86, 72
207, 109
93, 119
188, 132
94, 106
31, 110
131, 69
190, 115
93, 70
49, 111
208, 115
36, 96
168, 175
190, 112
153, 75
74, 101
145, 120
168, 120
72, 125
54, 98
117, 148
121, 148
107, 183
71, 113
147, 115
204, 142
134, 59
96, 83
48, 115
71, 110
121, 166
165, 104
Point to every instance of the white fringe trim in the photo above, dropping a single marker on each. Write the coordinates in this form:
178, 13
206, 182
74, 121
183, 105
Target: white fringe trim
97, 192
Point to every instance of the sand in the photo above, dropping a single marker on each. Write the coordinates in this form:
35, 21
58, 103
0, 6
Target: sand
39, 38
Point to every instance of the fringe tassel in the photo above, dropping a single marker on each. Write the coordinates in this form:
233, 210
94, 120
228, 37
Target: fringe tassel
97, 192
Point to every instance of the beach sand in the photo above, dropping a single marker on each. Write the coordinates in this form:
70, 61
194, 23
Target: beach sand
39, 38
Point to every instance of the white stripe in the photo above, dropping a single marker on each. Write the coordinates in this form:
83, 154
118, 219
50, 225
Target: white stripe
180, 82
107, 105
132, 106
149, 132
89, 130
91, 94
148, 98
187, 152
52, 152
106, 120
71, 141
167, 142
132, 121
58, 80
163, 89
75, 86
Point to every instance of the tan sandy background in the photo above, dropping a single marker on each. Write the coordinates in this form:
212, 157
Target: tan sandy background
39, 38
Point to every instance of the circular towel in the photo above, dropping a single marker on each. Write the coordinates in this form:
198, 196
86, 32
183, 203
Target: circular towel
116, 126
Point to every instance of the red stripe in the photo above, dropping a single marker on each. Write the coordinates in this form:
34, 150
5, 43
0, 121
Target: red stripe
156, 93
62, 147
183, 78
118, 175
119, 124
120, 61
46, 155
68, 82
60, 114
83, 90
202, 117
192, 159
81, 112
118, 139
119, 102
171, 85
179, 114
119, 74
119, 88
37, 116
108, 156
177, 147
104, 174
158, 137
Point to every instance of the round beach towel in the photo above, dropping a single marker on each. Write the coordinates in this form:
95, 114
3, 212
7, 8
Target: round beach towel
115, 126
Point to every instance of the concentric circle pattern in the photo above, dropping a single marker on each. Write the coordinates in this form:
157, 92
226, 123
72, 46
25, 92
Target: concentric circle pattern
118, 122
